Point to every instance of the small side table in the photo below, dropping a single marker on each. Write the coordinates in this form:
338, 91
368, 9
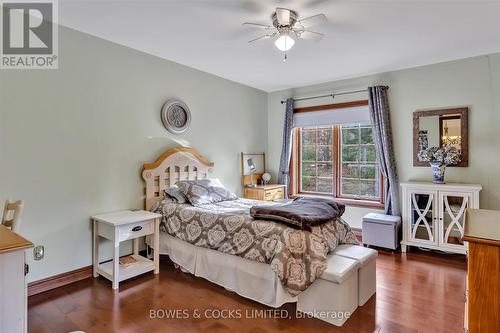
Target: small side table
121, 226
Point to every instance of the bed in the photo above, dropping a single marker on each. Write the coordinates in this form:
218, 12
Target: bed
249, 276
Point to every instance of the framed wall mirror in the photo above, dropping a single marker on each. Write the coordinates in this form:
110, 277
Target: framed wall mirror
441, 128
252, 168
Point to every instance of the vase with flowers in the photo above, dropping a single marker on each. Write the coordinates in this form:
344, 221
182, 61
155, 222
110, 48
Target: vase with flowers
439, 158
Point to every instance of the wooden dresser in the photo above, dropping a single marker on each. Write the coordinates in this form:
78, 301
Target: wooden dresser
264, 192
482, 296
13, 293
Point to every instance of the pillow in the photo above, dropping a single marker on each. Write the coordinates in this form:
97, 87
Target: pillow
175, 193
206, 191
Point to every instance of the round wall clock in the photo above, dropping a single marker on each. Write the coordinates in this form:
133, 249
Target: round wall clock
175, 116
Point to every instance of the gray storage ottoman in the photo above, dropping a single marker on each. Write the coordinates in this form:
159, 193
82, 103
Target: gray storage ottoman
381, 230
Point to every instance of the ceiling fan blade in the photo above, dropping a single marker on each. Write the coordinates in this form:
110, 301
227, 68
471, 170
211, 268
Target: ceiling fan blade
283, 16
259, 38
311, 35
312, 21
257, 25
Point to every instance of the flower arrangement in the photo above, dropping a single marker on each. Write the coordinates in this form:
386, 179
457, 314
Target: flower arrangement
444, 155
439, 158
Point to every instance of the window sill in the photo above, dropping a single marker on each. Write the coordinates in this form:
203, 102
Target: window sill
345, 201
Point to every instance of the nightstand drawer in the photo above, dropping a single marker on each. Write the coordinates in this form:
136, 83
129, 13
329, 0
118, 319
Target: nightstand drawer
265, 192
274, 194
133, 230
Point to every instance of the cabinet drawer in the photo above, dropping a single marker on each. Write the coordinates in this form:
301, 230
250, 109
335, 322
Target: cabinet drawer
254, 194
274, 194
133, 230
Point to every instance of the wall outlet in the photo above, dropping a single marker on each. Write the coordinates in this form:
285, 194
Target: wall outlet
38, 252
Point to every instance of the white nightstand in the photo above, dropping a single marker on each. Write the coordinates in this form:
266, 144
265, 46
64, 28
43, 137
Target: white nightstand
121, 226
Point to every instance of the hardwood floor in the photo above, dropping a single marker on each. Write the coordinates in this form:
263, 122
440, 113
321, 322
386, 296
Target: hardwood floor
416, 292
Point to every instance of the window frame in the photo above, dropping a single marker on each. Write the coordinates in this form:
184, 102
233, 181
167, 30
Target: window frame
359, 162
296, 160
334, 167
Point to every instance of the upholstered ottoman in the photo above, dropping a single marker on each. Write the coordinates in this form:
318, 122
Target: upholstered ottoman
367, 273
381, 230
334, 296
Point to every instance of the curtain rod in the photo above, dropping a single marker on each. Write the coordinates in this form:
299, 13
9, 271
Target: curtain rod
331, 95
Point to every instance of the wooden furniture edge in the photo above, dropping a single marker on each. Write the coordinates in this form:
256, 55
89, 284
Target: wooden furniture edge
481, 217
59, 280
171, 151
266, 187
485, 241
482, 308
11, 241
16, 247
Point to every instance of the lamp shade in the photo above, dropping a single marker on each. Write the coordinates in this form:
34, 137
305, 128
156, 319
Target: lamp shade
251, 165
284, 43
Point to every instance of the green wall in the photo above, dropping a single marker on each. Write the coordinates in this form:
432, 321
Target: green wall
73, 140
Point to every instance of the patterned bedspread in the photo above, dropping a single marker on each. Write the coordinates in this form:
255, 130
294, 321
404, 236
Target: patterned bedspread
298, 257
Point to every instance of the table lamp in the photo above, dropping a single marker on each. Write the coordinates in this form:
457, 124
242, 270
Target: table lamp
252, 167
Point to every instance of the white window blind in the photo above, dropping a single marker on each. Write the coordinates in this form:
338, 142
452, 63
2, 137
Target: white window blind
356, 114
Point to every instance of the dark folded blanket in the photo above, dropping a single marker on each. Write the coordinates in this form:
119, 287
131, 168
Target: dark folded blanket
302, 213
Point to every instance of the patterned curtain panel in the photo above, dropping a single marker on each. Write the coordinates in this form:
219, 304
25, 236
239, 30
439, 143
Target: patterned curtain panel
286, 148
382, 136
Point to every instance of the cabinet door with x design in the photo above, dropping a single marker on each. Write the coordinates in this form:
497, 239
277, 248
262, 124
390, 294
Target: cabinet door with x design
423, 217
434, 214
452, 218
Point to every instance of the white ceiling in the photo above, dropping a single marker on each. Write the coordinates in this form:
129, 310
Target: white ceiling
362, 37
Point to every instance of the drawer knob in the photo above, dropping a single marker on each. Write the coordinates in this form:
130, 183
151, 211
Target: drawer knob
138, 228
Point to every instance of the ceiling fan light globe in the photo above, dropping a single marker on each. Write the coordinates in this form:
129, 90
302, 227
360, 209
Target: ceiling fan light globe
284, 43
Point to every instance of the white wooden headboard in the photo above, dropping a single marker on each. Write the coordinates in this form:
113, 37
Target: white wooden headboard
180, 163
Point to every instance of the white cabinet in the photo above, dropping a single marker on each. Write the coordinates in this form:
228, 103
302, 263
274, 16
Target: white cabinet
13, 291
434, 214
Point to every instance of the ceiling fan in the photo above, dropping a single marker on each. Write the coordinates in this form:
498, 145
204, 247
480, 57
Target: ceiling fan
286, 25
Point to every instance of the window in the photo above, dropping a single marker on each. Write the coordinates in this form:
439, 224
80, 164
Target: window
337, 160
359, 173
317, 167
